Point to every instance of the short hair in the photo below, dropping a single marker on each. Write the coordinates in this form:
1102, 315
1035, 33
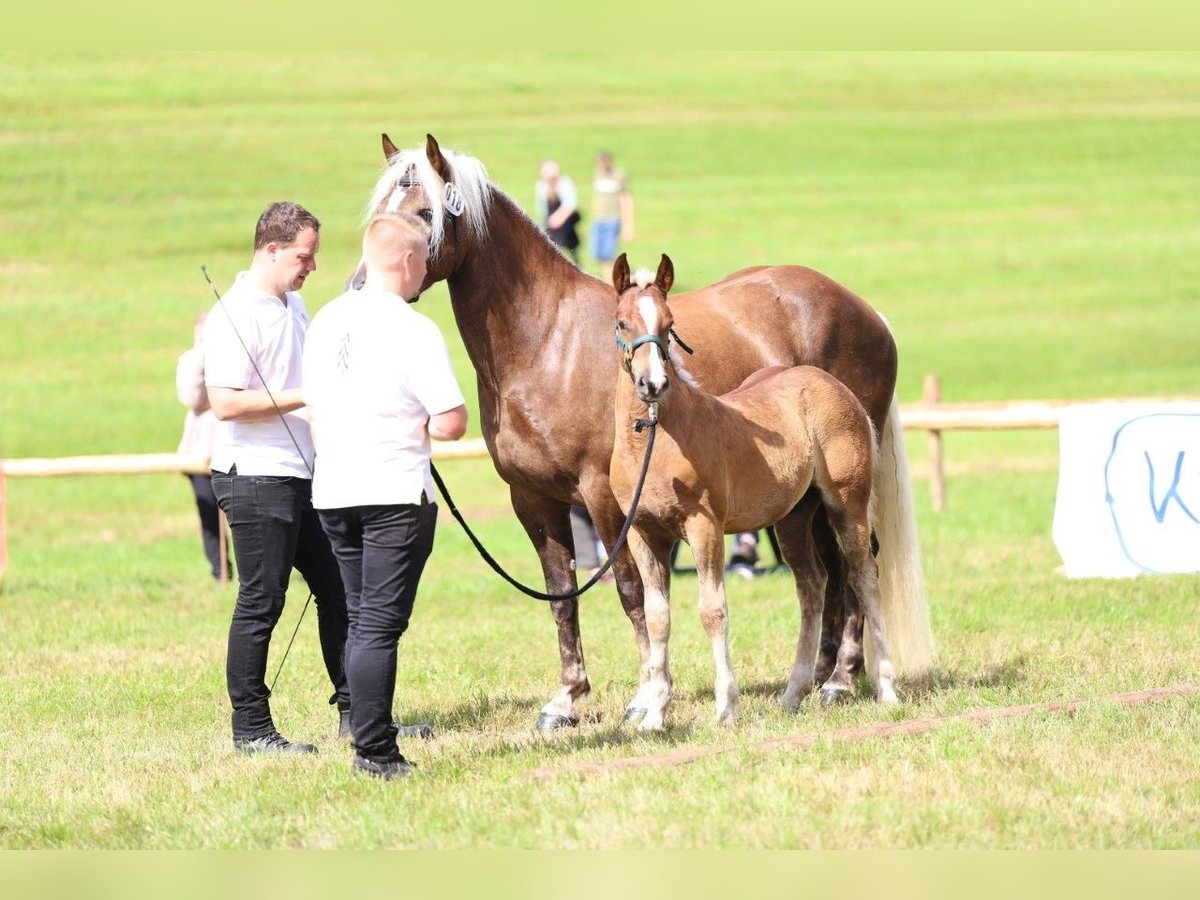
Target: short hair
281, 222
403, 229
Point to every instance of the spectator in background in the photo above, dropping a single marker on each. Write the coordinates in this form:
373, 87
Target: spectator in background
590, 552
558, 207
199, 432
612, 212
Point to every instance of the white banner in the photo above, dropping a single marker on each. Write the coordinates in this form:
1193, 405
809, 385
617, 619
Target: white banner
1128, 489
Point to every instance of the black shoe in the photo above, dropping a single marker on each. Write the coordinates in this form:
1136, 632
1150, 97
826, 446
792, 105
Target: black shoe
388, 771
272, 743
422, 730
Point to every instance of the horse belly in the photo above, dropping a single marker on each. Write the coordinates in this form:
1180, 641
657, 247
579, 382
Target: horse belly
762, 497
768, 453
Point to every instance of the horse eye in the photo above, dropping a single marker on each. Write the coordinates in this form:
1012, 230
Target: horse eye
621, 324
426, 215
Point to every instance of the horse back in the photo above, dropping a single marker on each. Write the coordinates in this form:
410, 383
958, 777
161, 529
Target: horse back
785, 316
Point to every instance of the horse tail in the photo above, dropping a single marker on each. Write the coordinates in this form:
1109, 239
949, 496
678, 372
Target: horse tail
904, 608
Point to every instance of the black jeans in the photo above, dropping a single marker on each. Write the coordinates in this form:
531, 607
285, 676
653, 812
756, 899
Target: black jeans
274, 528
206, 505
382, 552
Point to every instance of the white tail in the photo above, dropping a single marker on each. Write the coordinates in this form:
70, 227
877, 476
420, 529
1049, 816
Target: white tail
905, 611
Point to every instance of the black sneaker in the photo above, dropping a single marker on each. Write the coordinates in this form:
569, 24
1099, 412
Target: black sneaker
422, 730
270, 744
388, 771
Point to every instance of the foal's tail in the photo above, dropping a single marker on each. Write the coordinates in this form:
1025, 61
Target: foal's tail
901, 582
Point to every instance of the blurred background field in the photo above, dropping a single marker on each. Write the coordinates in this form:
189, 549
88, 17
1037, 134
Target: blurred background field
1029, 224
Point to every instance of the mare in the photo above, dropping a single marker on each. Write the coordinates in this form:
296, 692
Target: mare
730, 463
534, 327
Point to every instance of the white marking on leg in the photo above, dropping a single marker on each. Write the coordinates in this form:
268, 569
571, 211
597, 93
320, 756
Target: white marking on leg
655, 694
714, 616
880, 668
810, 589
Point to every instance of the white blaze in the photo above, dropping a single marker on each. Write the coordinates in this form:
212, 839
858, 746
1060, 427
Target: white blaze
395, 200
649, 311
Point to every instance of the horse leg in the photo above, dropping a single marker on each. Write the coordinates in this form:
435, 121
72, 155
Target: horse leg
708, 546
855, 531
608, 518
825, 548
547, 522
795, 543
652, 558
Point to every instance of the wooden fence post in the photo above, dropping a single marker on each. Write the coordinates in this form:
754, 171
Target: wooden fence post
931, 394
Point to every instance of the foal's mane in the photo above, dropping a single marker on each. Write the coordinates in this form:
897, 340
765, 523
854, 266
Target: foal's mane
469, 176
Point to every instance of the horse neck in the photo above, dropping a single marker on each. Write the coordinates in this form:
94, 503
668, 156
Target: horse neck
682, 405
507, 295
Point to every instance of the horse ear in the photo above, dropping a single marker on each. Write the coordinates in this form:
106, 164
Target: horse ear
434, 154
620, 274
389, 149
666, 274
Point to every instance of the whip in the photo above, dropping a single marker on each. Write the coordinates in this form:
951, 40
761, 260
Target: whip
295, 443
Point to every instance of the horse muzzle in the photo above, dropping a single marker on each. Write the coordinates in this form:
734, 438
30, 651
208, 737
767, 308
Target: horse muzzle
650, 391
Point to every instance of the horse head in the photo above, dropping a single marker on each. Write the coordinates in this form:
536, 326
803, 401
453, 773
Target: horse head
643, 328
448, 190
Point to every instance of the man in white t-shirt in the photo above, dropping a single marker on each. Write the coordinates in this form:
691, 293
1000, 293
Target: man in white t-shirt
378, 384
262, 468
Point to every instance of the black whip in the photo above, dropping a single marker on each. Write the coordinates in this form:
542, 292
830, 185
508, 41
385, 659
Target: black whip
295, 443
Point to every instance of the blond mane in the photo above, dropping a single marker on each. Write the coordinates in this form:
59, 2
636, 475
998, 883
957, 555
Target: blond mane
467, 173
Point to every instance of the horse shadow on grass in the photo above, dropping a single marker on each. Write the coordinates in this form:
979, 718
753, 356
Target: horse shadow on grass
1007, 673
598, 728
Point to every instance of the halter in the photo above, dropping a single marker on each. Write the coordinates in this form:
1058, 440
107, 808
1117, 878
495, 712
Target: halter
637, 342
628, 348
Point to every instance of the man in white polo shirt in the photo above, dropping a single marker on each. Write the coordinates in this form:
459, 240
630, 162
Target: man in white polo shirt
379, 385
262, 468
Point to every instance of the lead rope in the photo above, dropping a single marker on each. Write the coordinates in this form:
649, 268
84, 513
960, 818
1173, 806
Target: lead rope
638, 426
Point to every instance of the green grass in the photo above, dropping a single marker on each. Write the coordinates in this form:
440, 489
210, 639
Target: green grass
1027, 222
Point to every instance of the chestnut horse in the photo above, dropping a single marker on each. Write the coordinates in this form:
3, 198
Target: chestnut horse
534, 327
737, 462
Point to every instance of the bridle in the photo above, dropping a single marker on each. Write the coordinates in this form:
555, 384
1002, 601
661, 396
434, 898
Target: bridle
451, 206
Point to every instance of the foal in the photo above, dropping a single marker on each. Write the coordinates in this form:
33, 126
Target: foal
737, 462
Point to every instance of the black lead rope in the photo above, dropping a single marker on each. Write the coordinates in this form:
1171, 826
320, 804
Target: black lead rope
639, 425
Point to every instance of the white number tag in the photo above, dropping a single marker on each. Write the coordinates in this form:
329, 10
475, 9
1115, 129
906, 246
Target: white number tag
454, 200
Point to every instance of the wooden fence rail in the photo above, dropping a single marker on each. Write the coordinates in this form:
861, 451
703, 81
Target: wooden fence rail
930, 415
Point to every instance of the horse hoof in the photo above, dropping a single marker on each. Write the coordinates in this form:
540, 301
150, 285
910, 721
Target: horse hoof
554, 721
634, 712
832, 696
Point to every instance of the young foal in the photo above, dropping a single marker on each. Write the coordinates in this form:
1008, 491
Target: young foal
734, 463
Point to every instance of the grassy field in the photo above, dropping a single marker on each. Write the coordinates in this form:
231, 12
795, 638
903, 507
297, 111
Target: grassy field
1030, 224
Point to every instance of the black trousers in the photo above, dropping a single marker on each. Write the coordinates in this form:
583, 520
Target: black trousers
206, 505
382, 552
274, 529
